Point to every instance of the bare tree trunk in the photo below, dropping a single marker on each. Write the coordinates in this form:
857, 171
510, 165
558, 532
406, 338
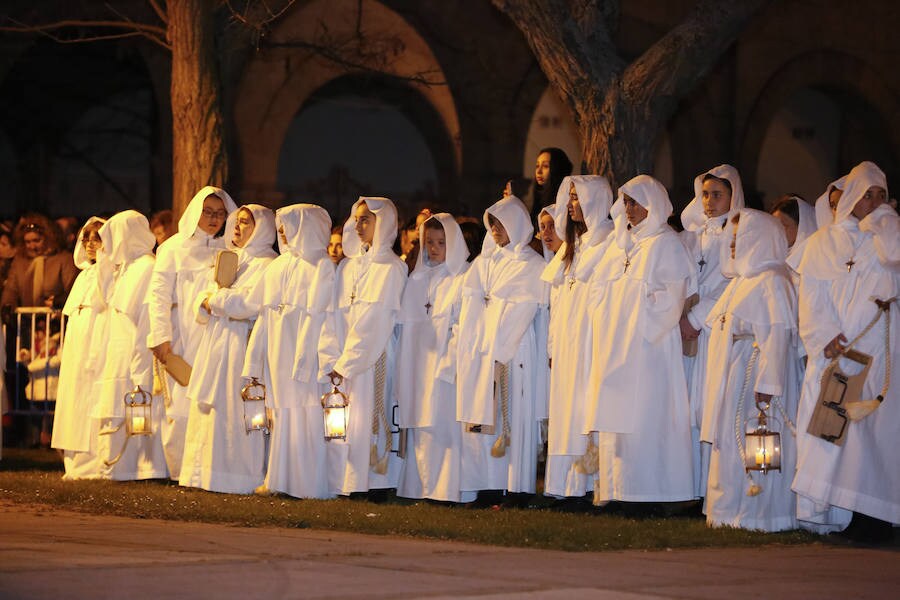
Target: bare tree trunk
620, 108
199, 154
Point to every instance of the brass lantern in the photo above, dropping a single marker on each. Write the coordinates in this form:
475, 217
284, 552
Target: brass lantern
138, 412
336, 411
762, 451
256, 416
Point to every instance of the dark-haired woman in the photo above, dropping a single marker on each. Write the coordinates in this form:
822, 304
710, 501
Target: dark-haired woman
551, 166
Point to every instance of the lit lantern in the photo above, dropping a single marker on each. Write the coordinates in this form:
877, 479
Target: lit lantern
256, 416
138, 412
336, 411
763, 442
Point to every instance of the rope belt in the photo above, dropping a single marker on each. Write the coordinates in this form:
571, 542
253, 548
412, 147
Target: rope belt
379, 463
499, 448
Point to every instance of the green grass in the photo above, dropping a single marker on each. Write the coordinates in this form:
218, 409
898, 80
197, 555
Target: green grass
34, 477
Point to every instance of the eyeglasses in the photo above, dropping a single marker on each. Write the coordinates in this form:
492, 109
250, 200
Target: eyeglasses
214, 214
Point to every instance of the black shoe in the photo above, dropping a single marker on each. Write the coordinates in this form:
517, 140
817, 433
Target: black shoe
487, 499
867, 530
573, 505
380, 496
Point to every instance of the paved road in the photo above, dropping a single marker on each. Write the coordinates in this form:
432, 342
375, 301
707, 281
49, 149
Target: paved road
48, 553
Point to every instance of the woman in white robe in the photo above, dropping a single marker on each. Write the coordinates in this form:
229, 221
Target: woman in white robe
426, 363
639, 402
500, 297
582, 209
73, 428
846, 267
360, 346
181, 273
124, 268
219, 454
294, 296
754, 321
718, 194
826, 204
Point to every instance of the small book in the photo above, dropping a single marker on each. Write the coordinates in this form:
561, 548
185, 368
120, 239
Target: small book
226, 268
179, 369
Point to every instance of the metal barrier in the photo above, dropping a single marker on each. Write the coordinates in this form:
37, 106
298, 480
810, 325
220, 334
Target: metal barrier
38, 353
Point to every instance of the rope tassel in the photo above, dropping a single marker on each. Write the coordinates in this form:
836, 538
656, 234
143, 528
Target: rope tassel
498, 450
379, 463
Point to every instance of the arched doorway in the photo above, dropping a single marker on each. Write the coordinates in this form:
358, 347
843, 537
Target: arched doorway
358, 137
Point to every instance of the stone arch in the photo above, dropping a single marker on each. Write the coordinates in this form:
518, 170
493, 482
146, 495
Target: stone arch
277, 82
842, 75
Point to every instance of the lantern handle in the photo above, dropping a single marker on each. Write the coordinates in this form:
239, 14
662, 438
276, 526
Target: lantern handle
336, 379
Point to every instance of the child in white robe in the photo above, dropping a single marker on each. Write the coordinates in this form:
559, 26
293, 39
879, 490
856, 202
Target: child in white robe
73, 428
295, 297
359, 348
718, 194
582, 211
180, 275
753, 326
220, 455
496, 394
637, 383
124, 266
849, 277
426, 363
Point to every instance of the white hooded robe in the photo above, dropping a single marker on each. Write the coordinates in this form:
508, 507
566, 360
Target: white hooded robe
295, 296
637, 384
219, 454
180, 275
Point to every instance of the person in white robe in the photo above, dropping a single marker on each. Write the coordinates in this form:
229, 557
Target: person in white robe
359, 348
752, 363
850, 279
497, 396
124, 268
181, 273
718, 194
639, 403
582, 209
295, 298
220, 455
73, 428
426, 364
826, 204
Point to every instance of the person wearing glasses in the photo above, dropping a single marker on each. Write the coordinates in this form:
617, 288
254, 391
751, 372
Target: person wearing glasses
180, 275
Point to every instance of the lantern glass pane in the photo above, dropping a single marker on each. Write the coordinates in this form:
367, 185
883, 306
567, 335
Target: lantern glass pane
335, 422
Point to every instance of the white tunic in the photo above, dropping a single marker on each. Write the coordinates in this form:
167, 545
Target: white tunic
368, 287
570, 334
705, 241
756, 311
295, 295
862, 475
426, 371
500, 297
219, 454
180, 275
72, 423
124, 268
640, 406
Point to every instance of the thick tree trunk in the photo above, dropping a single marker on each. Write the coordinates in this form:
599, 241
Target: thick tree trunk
199, 154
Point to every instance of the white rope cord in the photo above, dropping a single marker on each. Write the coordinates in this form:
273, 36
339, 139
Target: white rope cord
379, 418
739, 419
499, 447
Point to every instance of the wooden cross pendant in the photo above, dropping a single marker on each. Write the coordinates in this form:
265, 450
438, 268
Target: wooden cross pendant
487, 299
850, 264
702, 263
627, 264
428, 308
722, 323
352, 296
80, 306
571, 282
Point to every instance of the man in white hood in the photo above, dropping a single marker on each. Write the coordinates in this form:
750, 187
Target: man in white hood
179, 277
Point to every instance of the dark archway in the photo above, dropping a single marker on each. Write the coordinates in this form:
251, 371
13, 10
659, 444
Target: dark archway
360, 135
869, 123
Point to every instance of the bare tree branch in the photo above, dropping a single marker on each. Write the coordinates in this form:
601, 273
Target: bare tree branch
160, 11
671, 67
131, 29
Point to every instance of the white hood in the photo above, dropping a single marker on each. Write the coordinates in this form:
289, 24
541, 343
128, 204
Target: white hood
385, 229
692, 217
307, 228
